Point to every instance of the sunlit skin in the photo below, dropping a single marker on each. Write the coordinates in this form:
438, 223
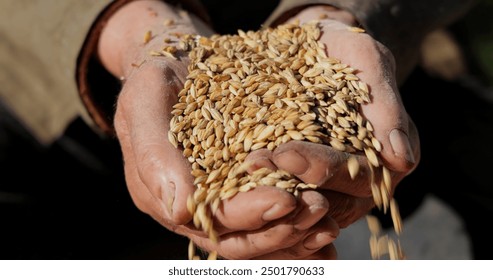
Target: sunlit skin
265, 223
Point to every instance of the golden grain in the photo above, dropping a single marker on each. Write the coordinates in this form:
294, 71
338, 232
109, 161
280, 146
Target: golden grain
356, 29
374, 247
392, 249
396, 218
353, 166
259, 90
147, 36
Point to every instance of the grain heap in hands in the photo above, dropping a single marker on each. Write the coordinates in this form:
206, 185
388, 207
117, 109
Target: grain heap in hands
256, 90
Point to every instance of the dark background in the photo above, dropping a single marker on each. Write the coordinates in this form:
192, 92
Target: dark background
69, 200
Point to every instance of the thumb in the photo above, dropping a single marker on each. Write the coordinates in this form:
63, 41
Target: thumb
143, 115
392, 127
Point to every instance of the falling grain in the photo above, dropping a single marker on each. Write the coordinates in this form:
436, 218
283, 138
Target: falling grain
396, 218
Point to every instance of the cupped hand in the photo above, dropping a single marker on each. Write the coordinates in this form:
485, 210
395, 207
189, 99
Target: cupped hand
263, 223
351, 198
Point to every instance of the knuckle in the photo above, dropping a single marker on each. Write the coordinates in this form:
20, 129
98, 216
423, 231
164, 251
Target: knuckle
362, 187
287, 236
140, 202
232, 253
295, 253
148, 161
149, 168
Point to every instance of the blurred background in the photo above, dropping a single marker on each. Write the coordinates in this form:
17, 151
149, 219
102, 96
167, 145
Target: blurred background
69, 200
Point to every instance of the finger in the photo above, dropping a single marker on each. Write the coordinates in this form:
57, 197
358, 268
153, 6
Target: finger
145, 107
346, 209
386, 112
264, 203
391, 129
321, 235
249, 244
279, 234
376, 67
260, 158
328, 252
139, 193
313, 206
326, 167
253, 209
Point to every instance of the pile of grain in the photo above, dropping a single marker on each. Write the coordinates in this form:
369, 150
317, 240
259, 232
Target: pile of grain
256, 90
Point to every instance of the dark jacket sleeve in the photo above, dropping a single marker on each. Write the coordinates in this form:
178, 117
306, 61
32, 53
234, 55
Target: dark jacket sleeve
398, 24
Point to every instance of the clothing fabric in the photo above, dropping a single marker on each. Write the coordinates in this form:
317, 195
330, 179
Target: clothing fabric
40, 42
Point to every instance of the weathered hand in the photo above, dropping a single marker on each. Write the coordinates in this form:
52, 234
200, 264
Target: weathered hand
158, 177
350, 199
263, 223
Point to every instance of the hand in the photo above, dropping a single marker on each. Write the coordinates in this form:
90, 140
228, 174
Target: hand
158, 178
349, 199
263, 223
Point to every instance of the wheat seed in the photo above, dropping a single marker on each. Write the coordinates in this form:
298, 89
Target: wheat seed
256, 90
147, 36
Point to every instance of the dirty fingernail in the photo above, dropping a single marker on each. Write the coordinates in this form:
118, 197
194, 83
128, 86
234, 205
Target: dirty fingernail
169, 204
317, 240
273, 213
293, 162
401, 146
170, 190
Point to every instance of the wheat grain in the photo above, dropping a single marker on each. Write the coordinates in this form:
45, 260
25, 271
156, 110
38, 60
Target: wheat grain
255, 90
